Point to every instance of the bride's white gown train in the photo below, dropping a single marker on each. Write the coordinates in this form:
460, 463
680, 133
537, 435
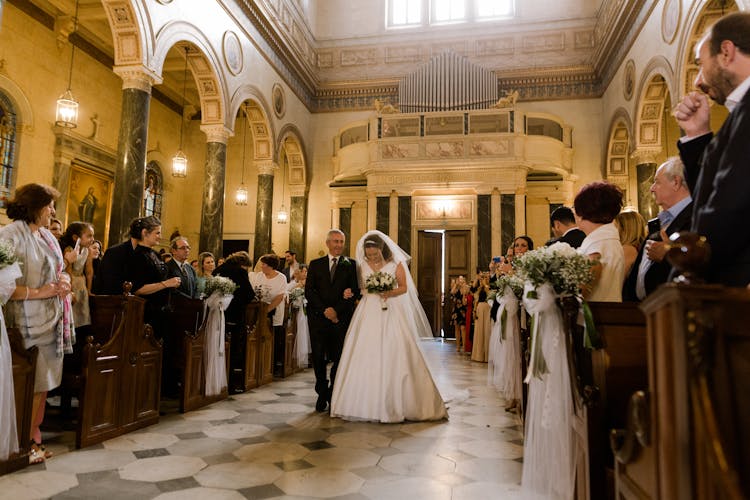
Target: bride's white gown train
382, 374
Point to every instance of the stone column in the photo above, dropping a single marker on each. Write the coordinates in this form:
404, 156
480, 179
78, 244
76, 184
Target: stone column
264, 212
212, 210
130, 170
298, 220
520, 211
645, 169
372, 210
393, 217
496, 223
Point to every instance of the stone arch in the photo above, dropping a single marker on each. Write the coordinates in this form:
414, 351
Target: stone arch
204, 65
702, 15
654, 88
128, 20
261, 127
291, 145
616, 168
292, 158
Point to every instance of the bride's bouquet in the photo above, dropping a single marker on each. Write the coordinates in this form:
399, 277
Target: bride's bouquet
380, 282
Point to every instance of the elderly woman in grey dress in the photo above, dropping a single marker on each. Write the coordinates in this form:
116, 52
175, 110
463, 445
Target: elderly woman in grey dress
40, 305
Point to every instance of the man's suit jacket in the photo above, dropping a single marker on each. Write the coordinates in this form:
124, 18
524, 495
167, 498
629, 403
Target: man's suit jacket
718, 173
188, 285
574, 238
112, 269
321, 292
658, 272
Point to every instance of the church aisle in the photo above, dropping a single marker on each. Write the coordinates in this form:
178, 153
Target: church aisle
270, 443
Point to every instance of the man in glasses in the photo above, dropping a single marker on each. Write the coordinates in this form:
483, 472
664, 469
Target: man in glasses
180, 267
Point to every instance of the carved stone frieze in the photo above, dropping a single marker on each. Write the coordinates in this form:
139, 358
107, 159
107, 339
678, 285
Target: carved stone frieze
216, 133
137, 77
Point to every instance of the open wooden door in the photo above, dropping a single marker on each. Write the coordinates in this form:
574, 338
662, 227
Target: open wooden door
457, 263
428, 277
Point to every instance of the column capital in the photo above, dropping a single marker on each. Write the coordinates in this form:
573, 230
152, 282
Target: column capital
645, 155
137, 77
266, 167
297, 190
216, 133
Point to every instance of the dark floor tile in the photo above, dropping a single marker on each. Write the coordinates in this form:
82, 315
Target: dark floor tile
182, 483
262, 491
191, 435
284, 394
154, 452
317, 445
111, 488
253, 440
220, 459
293, 465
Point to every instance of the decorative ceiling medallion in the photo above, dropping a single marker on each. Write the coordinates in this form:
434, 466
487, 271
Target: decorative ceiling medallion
232, 52
670, 20
628, 84
279, 100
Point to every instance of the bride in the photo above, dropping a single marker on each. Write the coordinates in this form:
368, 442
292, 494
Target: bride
382, 374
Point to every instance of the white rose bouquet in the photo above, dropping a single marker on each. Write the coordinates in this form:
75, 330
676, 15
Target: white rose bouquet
379, 282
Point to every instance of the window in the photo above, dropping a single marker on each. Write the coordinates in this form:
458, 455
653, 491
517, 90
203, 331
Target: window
404, 12
490, 9
153, 190
444, 11
413, 13
7, 148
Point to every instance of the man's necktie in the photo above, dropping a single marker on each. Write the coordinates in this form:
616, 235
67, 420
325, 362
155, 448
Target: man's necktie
335, 262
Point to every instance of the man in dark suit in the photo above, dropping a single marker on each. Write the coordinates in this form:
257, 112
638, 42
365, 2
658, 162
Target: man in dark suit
328, 312
650, 268
716, 167
564, 228
292, 266
181, 268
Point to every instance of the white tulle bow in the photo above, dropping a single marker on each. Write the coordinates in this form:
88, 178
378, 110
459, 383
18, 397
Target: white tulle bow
216, 374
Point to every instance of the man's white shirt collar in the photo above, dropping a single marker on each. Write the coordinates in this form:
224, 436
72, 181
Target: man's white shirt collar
737, 94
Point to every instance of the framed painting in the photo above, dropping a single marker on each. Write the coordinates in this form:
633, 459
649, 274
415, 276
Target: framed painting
90, 199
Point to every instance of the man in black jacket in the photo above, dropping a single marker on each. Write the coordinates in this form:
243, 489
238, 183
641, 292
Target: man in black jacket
564, 227
650, 268
716, 167
328, 312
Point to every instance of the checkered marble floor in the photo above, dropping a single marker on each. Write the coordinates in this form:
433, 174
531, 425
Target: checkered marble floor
270, 443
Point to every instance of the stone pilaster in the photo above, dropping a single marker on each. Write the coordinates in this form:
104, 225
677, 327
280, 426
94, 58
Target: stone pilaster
496, 222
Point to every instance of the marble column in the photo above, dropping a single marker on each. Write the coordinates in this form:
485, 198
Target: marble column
212, 210
393, 217
372, 210
264, 212
404, 223
298, 220
383, 218
484, 230
130, 170
496, 223
520, 211
508, 227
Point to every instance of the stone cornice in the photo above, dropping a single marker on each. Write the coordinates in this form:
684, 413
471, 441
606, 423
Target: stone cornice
286, 42
137, 77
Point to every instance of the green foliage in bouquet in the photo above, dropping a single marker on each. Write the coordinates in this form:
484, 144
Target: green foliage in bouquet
7, 253
560, 265
223, 285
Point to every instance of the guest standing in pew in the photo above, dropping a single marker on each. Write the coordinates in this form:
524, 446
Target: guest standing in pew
236, 268
180, 268
716, 167
75, 243
596, 205
206, 266
270, 287
651, 268
40, 305
563, 224
92, 264
631, 227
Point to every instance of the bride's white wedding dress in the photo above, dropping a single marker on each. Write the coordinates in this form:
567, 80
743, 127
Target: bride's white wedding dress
382, 374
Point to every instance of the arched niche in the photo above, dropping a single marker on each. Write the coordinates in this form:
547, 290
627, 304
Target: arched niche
261, 128
292, 159
617, 167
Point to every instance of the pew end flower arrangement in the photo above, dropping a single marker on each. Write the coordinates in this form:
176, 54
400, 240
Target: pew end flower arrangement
10, 270
297, 299
219, 294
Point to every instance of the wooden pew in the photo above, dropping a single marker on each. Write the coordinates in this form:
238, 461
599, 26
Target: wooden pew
259, 346
120, 379
604, 379
290, 358
687, 437
24, 369
187, 328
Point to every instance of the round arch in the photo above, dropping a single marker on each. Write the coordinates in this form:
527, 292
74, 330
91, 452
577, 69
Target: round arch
204, 66
127, 20
291, 145
261, 127
617, 166
656, 85
23, 109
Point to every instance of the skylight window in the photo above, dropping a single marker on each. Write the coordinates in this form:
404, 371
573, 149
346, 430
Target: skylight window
490, 9
448, 11
405, 12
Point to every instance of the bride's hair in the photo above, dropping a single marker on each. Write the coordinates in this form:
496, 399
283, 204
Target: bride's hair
374, 241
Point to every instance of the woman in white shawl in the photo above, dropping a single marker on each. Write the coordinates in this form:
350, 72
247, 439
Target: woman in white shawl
40, 306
